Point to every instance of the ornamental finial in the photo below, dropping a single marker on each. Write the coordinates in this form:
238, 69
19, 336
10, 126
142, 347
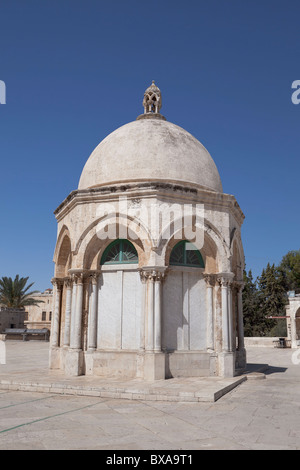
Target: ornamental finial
152, 103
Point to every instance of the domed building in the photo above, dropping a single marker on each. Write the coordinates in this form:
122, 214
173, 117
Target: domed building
148, 260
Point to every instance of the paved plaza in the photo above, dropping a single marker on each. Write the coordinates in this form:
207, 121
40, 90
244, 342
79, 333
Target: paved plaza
260, 411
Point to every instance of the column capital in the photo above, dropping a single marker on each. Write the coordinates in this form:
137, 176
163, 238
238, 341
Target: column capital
210, 279
68, 282
225, 279
57, 282
238, 285
93, 276
153, 273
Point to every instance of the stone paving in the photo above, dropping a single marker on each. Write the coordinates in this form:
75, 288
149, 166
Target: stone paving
254, 415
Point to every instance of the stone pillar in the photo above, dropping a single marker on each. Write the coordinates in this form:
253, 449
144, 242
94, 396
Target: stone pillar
68, 285
210, 280
75, 342
225, 324
149, 333
74, 355
154, 359
92, 320
231, 337
57, 283
239, 287
157, 311
73, 306
143, 310
227, 357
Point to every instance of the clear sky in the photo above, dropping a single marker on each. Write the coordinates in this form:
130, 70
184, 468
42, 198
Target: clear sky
75, 70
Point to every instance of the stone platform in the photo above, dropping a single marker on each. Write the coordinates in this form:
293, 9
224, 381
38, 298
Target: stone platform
26, 369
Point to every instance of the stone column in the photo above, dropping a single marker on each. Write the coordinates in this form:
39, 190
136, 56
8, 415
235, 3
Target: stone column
57, 283
143, 310
154, 359
225, 324
157, 311
150, 313
239, 287
68, 285
231, 337
75, 342
73, 306
92, 320
210, 280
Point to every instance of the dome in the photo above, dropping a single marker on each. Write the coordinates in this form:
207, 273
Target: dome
150, 149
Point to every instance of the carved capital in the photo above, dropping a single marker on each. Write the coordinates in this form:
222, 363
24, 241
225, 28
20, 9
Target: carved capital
68, 282
57, 282
152, 275
210, 279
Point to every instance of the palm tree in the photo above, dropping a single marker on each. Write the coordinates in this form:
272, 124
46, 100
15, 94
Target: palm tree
14, 293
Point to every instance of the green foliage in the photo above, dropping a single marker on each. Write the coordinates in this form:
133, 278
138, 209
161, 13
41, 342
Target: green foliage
263, 298
14, 292
290, 269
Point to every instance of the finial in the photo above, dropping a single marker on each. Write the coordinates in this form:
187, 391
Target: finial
152, 103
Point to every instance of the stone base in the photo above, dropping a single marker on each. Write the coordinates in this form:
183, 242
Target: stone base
126, 364
74, 364
240, 359
154, 366
55, 358
226, 364
190, 364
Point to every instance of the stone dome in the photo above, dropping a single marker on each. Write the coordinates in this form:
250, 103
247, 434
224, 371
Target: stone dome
150, 149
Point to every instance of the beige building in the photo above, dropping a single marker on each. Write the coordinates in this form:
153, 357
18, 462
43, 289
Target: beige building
40, 316
148, 259
293, 319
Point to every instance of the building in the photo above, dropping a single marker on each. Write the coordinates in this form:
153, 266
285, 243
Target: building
11, 318
40, 316
148, 259
293, 319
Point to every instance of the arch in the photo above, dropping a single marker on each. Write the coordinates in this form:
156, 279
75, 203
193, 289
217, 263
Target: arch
237, 255
63, 259
185, 253
211, 244
120, 251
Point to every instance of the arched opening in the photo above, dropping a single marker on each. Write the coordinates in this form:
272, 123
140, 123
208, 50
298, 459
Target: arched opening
185, 253
120, 251
63, 261
119, 297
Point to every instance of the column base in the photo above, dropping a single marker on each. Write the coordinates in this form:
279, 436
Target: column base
54, 357
154, 366
227, 364
74, 362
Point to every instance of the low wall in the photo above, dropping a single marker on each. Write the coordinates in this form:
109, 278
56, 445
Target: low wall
261, 342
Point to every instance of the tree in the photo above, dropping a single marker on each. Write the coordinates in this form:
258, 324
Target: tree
251, 306
272, 295
290, 269
14, 293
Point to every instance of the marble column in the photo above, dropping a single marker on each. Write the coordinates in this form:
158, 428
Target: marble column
68, 285
231, 337
154, 358
149, 346
239, 287
92, 320
223, 281
210, 280
75, 342
57, 283
157, 310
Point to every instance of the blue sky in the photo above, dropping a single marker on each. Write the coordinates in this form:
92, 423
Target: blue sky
76, 70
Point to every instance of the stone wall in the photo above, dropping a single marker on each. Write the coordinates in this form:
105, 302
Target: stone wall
261, 342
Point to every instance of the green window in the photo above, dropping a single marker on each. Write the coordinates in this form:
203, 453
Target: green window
186, 254
120, 252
